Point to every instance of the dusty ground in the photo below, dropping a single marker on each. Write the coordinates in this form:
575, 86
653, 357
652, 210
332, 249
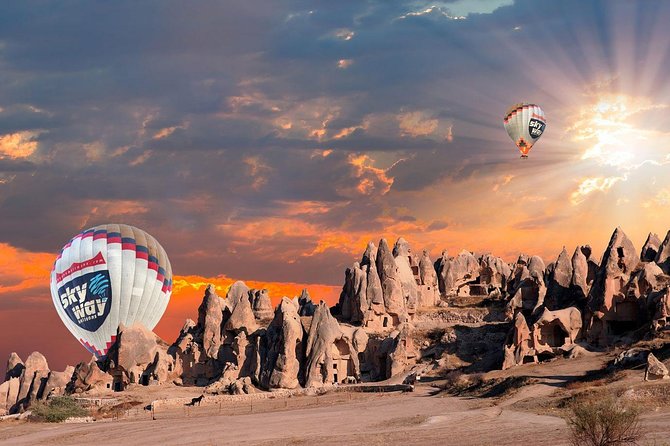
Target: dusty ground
530, 414
425, 416
415, 418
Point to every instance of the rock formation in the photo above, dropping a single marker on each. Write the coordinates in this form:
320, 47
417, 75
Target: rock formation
428, 290
240, 343
456, 272
139, 357
650, 248
33, 379
387, 287
306, 306
88, 376
262, 305
57, 382
241, 319
323, 333
527, 287
556, 331
14, 367
354, 305
210, 315
404, 261
387, 269
655, 369
609, 310
30, 382
284, 341
518, 345
559, 293
494, 272
579, 282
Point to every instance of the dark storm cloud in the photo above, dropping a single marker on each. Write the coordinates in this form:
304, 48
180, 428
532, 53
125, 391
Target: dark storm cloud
437, 225
12, 165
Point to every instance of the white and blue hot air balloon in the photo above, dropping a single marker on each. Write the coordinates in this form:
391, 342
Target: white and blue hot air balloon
106, 276
525, 123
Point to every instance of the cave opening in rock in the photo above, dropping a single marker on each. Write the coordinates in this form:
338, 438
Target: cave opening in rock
627, 318
553, 334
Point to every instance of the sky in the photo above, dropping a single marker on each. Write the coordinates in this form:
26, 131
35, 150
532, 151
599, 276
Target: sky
270, 141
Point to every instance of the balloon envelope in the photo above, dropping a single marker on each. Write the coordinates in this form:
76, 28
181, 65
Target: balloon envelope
110, 275
525, 123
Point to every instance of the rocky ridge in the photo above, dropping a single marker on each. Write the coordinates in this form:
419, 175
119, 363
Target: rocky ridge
398, 312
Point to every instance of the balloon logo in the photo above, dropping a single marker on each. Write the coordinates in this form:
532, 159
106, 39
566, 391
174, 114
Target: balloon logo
525, 123
106, 276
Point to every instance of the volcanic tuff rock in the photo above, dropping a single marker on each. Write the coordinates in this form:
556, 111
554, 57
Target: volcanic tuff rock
284, 348
427, 270
241, 318
57, 382
395, 354
354, 304
518, 344
88, 376
322, 335
370, 255
33, 378
580, 273
210, 316
387, 269
527, 286
609, 286
387, 287
373, 289
655, 369
232, 348
262, 305
494, 271
558, 285
14, 366
238, 291
650, 248
138, 356
556, 330
402, 254
30, 382
646, 280
663, 255
429, 294
9, 393
456, 271
305, 305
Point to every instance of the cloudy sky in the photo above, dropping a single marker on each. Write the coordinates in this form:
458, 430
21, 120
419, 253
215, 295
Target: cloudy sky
269, 141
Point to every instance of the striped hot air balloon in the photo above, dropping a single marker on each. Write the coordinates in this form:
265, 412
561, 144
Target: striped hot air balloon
109, 275
525, 123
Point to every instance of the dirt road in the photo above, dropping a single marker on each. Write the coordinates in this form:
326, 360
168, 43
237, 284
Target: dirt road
418, 418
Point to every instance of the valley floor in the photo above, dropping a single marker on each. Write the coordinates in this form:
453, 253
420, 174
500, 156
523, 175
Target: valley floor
425, 416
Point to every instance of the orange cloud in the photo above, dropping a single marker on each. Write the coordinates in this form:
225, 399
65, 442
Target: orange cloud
18, 145
22, 270
372, 180
257, 170
417, 124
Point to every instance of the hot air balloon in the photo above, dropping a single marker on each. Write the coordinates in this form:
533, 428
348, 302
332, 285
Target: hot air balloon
109, 275
525, 123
